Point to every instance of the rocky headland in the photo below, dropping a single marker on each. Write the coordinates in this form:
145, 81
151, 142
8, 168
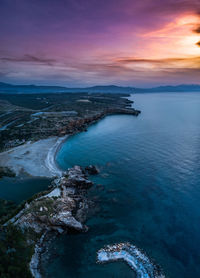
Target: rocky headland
63, 209
30, 147
25, 118
29, 143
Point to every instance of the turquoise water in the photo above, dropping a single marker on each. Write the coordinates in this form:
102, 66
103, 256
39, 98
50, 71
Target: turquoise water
149, 189
21, 188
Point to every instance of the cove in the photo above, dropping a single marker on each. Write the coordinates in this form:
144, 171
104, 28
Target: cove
21, 188
147, 192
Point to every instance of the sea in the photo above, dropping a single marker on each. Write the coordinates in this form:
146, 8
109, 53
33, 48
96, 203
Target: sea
147, 191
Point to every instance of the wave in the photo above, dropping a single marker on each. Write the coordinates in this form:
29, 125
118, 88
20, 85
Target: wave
135, 258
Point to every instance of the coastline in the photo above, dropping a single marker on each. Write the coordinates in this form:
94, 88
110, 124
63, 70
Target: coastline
34, 264
135, 258
36, 159
50, 160
60, 211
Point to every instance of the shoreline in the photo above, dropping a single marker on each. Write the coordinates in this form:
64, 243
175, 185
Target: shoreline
36, 159
47, 216
50, 160
135, 258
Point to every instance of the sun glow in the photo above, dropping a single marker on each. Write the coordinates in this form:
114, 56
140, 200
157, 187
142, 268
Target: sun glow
188, 20
175, 39
189, 44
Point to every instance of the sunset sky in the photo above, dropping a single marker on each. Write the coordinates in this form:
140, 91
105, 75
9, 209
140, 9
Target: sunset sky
99, 42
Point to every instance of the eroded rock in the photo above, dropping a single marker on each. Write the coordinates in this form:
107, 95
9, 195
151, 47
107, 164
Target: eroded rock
63, 209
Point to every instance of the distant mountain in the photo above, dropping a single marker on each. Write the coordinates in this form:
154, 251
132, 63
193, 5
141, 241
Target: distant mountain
8, 88
110, 89
31, 89
178, 88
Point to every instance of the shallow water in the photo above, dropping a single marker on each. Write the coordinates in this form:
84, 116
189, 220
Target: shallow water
21, 188
150, 176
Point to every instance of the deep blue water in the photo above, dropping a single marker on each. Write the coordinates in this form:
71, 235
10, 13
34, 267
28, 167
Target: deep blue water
150, 194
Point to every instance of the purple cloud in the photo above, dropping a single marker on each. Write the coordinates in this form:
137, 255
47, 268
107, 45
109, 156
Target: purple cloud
84, 40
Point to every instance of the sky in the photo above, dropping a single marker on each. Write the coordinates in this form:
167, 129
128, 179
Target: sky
79, 43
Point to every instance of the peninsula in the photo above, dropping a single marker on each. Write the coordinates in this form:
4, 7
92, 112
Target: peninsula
32, 129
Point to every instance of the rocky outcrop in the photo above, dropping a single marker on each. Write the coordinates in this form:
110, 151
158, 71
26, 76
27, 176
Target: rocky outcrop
67, 114
77, 178
91, 170
61, 210
81, 124
134, 257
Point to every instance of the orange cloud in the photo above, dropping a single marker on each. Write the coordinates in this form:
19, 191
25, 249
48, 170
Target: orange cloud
176, 38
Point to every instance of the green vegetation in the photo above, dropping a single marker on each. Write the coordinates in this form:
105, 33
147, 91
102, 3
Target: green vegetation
21, 122
6, 207
24, 117
46, 204
17, 246
62, 101
9, 211
35, 102
15, 254
5, 171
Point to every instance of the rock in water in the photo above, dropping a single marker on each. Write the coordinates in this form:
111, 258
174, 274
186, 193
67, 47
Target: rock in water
91, 170
136, 259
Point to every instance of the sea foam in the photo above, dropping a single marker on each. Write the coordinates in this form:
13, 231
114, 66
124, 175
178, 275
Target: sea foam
135, 258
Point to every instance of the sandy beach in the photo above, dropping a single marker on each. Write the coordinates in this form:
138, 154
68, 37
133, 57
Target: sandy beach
36, 159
